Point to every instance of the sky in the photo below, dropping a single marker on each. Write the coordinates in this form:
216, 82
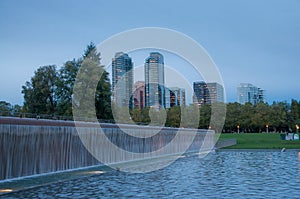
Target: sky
250, 41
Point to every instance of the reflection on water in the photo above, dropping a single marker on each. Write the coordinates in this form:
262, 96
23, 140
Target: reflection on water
5, 190
225, 174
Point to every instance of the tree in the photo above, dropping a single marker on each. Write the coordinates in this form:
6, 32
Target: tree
39, 93
92, 81
65, 84
103, 91
261, 116
278, 116
246, 122
173, 117
136, 115
16, 110
294, 114
218, 116
103, 97
233, 114
190, 116
145, 115
205, 115
5, 108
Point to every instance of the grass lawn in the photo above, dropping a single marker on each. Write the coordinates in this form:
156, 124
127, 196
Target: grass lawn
260, 141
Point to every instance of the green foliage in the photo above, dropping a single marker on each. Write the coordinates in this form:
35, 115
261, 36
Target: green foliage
85, 87
294, 114
234, 110
262, 117
103, 96
145, 118
173, 117
279, 116
187, 116
65, 84
51, 92
190, 116
40, 93
90, 72
136, 116
205, 115
5, 108
16, 110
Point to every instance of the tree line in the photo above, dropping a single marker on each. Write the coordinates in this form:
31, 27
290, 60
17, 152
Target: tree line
50, 92
247, 118
276, 117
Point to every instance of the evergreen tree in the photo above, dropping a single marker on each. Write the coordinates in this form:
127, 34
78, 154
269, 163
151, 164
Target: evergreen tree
90, 72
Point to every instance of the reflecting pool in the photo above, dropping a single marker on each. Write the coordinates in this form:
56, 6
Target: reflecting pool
224, 174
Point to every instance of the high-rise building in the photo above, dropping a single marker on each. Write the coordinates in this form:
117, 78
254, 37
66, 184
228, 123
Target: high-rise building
154, 81
207, 93
122, 80
250, 93
201, 93
216, 92
168, 97
139, 94
261, 95
177, 96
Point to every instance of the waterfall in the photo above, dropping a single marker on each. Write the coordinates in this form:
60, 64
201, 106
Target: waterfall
29, 146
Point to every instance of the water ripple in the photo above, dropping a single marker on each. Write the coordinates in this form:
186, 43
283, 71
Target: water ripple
225, 174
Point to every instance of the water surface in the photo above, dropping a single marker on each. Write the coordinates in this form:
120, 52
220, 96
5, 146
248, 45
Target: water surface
224, 174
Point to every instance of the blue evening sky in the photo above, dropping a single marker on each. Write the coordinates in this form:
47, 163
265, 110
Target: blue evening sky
250, 41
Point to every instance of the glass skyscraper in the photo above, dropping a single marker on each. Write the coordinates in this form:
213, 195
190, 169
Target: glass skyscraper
216, 92
250, 93
207, 93
177, 96
154, 81
122, 80
201, 93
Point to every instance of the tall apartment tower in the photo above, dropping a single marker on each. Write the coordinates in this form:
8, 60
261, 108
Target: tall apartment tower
154, 81
122, 80
250, 93
201, 93
177, 96
216, 92
207, 93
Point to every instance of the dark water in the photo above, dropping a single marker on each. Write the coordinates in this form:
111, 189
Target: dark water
224, 174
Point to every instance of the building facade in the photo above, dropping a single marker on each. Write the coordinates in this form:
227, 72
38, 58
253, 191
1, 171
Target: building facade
177, 96
122, 80
154, 81
201, 93
250, 93
216, 92
139, 94
207, 93
168, 97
